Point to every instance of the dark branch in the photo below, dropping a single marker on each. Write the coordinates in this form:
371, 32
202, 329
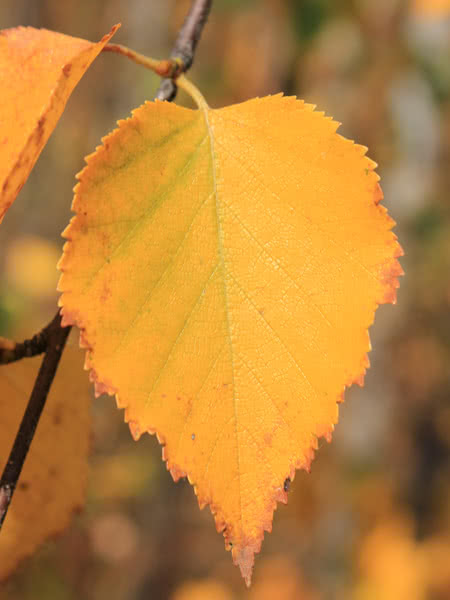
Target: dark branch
190, 32
12, 351
185, 44
56, 339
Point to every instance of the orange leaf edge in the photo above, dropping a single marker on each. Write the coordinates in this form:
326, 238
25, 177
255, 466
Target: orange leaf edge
245, 557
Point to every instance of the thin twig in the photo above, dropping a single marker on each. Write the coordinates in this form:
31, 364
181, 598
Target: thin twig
185, 44
11, 351
56, 340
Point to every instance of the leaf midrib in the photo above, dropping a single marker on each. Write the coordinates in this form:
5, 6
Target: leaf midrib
221, 252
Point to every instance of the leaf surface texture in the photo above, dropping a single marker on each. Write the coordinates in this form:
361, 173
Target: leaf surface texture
224, 267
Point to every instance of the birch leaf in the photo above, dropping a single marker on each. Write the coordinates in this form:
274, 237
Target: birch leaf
53, 481
224, 267
39, 69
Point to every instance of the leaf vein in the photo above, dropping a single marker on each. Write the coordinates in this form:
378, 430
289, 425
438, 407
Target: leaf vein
151, 291
280, 264
280, 339
148, 212
275, 405
177, 339
221, 252
312, 224
197, 395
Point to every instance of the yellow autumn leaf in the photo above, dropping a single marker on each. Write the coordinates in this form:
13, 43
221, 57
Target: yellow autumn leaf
39, 69
52, 484
224, 267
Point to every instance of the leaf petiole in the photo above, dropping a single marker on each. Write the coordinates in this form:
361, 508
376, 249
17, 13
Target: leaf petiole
186, 85
164, 68
170, 68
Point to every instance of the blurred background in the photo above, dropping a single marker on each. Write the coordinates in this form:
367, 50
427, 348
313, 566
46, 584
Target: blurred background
372, 520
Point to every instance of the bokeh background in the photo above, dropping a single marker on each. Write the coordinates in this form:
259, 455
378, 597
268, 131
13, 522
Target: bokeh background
371, 522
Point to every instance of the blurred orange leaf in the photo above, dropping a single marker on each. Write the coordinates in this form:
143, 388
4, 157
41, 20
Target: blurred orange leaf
431, 8
391, 565
39, 69
52, 484
280, 578
202, 590
224, 267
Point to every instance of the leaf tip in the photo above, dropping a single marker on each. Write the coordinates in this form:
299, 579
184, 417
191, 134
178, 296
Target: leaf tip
244, 558
105, 39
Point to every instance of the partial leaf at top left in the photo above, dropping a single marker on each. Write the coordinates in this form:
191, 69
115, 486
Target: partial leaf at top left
39, 69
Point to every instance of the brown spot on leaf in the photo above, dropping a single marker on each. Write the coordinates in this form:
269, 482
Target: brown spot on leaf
40, 130
66, 69
106, 292
268, 438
